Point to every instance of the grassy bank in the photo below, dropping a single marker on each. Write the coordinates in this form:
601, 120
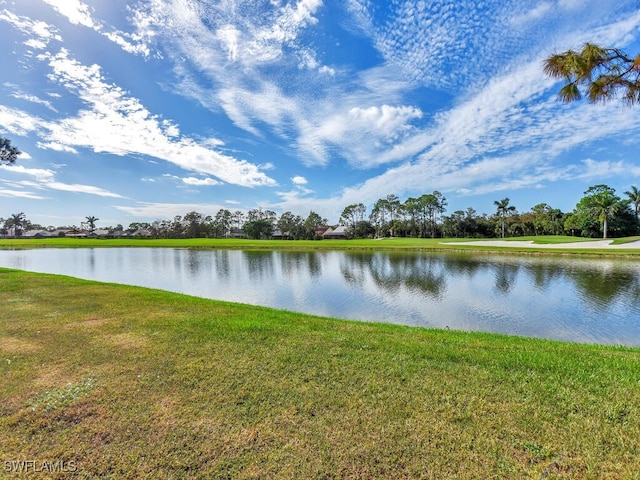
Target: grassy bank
124, 382
307, 245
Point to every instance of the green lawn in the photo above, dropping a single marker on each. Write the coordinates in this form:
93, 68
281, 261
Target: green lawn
366, 244
126, 382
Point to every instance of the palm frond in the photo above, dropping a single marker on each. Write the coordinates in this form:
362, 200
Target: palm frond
569, 93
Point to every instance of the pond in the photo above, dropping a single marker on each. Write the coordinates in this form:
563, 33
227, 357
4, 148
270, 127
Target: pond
562, 298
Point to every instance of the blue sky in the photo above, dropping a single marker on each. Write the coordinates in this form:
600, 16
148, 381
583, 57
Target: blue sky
139, 110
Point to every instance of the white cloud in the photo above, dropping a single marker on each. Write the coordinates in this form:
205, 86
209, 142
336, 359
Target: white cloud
426, 42
214, 33
79, 188
268, 40
40, 33
269, 104
42, 175
593, 169
79, 13
307, 60
76, 11
45, 179
570, 4
534, 14
362, 135
17, 122
327, 71
387, 121
56, 146
229, 36
19, 194
33, 99
200, 181
299, 180
121, 39
119, 124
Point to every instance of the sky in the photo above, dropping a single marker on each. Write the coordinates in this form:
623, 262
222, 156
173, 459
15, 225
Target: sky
134, 111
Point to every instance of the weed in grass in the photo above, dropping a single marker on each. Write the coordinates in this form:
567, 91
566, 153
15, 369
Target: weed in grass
618, 414
534, 450
58, 398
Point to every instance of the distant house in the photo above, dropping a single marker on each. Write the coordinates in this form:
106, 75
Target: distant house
319, 231
143, 232
338, 233
140, 233
37, 234
278, 235
100, 232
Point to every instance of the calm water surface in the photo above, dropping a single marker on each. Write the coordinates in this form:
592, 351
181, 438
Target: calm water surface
581, 300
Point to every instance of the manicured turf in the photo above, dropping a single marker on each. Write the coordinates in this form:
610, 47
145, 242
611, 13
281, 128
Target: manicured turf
386, 244
125, 382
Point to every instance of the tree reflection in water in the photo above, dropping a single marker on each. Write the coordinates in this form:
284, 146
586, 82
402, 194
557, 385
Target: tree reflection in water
599, 282
391, 272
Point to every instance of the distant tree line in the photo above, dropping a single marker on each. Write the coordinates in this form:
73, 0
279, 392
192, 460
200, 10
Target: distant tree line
256, 223
599, 213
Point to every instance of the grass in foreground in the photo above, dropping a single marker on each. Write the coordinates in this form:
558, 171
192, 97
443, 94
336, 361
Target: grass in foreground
127, 382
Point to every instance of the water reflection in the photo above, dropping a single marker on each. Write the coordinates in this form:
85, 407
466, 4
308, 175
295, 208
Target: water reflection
301, 263
92, 261
586, 300
506, 276
422, 275
259, 263
464, 265
541, 275
602, 285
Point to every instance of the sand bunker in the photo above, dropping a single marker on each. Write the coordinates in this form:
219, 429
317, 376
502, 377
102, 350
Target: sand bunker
606, 244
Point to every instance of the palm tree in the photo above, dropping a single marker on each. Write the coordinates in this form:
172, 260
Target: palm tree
17, 220
91, 221
634, 197
606, 206
503, 208
601, 72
